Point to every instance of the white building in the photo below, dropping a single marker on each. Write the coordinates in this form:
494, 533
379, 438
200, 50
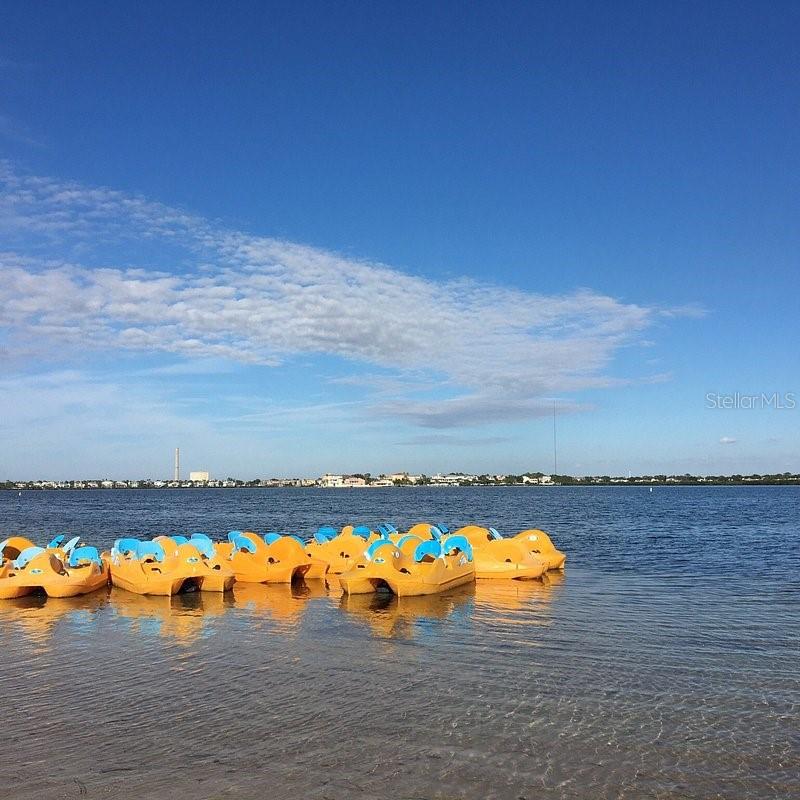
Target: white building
452, 480
331, 481
199, 477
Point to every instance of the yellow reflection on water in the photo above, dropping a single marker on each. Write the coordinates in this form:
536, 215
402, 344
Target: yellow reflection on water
517, 595
394, 617
37, 616
284, 604
507, 607
184, 618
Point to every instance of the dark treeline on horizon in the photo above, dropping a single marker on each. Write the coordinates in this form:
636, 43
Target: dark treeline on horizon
530, 479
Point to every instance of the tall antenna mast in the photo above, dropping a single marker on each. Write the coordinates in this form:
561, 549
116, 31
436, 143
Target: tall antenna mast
555, 447
177, 464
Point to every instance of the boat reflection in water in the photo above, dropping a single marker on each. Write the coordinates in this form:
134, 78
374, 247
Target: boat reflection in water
184, 618
394, 617
281, 603
516, 595
495, 603
38, 617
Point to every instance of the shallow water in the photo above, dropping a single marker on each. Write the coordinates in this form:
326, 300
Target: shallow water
663, 663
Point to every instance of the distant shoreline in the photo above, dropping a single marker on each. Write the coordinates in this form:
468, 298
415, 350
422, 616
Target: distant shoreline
575, 484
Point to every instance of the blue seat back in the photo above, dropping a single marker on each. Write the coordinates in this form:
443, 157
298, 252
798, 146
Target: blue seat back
198, 535
179, 539
203, 546
69, 546
22, 560
443, 528
154, 549
403, 539
271, 537
452, 543
56, 541
431, 547
233, 535
495, 533
363, 531
325, 534
85, 553
126, 545
242, 543
377, 545
435, 532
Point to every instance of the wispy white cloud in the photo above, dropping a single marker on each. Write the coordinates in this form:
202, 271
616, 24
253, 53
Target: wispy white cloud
727, 440
690, 310
231, 296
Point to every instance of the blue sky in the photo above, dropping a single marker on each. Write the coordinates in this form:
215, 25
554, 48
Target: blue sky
293, 238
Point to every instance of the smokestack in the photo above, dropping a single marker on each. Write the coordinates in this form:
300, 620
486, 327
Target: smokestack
177, 464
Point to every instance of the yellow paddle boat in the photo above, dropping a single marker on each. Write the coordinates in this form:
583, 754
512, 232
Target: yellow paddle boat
56, 571
340, 551
435, 565
222, 576
423, 530
499, 558
269, 559
538, 543
150, 568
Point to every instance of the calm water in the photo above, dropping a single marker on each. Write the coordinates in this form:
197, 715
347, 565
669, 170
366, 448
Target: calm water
663, 664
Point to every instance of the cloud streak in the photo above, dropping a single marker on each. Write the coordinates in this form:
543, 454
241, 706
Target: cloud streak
485, 352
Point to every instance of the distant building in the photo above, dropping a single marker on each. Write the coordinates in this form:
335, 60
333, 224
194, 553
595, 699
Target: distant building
403, 477
352, 481
199, 477
331, 481
453, 479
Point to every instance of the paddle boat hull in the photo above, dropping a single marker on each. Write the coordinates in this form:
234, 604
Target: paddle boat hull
280, 560
435, 567
497, 558
340, 552
165, 568
538, 543
211, 573
46, 573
